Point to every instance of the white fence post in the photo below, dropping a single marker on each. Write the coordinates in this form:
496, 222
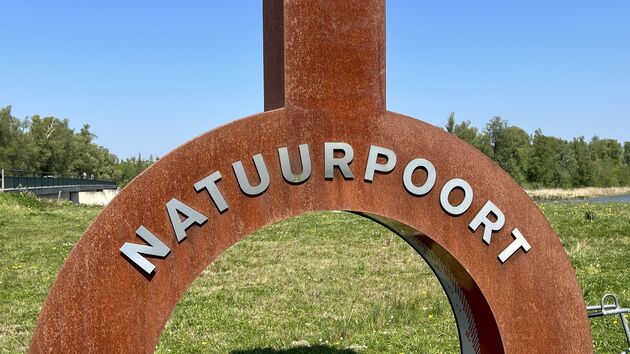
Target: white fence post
2, 180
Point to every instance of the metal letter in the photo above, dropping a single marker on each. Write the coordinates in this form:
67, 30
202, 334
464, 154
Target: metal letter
155, 248
330, 161
243, 181
446, 191
285, 165
210, 184
519, 242
408, 175
373, 165
488, 226
175, 207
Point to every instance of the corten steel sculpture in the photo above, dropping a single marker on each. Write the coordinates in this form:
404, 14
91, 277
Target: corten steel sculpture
504, 270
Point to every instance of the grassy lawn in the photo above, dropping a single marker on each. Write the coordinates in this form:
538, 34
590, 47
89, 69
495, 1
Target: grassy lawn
35, 239
334, 281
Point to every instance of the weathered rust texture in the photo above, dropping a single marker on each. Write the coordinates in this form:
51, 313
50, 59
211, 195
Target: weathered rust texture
335, 55
273, 52
335, 81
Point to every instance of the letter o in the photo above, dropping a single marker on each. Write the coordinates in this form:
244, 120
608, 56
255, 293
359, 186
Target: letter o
411, 167
446, 191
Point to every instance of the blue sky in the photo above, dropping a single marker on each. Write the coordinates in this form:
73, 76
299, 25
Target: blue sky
148, 76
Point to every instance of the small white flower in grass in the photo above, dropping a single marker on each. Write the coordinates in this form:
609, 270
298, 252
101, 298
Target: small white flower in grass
300, 343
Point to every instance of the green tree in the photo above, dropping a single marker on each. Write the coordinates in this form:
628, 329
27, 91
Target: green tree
552, 162
53, 140
466, 132
10, 131
130, 167
450, 123
470, 134
583, 175
495, 129
16, 146
512, 150
606, 149
86, 153
49, 144
607, 159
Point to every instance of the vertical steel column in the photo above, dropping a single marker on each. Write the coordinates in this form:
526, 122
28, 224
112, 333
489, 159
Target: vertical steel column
324, 54
334, 56
273, 53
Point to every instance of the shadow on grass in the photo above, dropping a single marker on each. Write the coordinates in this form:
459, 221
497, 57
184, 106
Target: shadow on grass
315, 349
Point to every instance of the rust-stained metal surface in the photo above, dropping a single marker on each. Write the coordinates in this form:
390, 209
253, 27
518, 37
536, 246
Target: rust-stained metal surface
273, 53
334, 77
335, 56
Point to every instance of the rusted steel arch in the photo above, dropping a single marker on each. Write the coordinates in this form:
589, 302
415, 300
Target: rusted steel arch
332, 85
101, 303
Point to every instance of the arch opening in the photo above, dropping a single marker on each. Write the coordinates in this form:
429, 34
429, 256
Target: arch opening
335, 281
476, 325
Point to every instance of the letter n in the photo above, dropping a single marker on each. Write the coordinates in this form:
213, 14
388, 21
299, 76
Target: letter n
155, 248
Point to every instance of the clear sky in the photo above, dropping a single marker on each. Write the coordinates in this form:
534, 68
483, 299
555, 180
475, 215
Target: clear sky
148, 76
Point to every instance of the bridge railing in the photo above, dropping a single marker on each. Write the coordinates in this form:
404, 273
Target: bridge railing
15, 179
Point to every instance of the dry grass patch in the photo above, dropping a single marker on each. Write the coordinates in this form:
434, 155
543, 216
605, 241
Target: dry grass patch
576, 193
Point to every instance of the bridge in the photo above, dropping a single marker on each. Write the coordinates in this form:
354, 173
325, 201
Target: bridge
77, 189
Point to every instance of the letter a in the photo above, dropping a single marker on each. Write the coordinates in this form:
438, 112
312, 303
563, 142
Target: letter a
175, 207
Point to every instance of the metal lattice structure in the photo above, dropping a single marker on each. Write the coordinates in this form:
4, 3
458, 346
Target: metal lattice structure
19, 179
609, 306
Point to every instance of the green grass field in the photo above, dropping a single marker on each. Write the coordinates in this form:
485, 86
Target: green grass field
334, 281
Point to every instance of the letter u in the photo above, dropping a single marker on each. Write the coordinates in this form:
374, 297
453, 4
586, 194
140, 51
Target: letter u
285, 165
243, 181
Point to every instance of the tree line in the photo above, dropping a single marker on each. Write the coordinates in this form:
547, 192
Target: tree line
48, 144
538, 160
